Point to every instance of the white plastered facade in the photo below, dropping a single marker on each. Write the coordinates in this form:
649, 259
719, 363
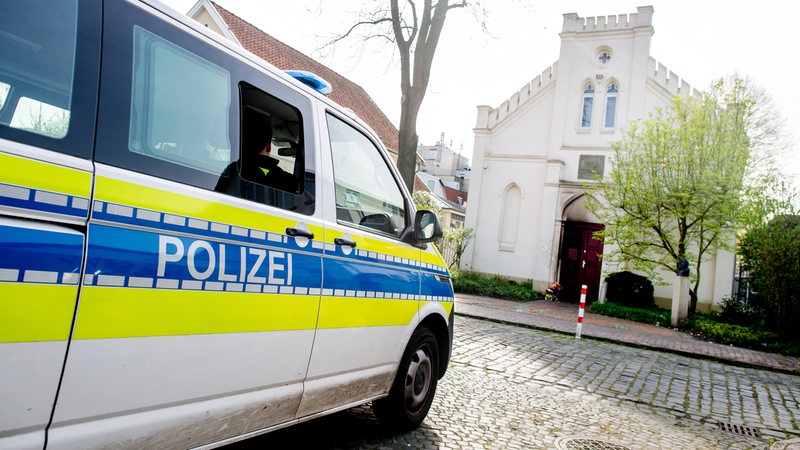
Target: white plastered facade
527, 177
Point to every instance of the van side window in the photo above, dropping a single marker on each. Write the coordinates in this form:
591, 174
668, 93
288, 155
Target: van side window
48, 73
271, 164
174, 109
38, 62
4, 88
180, 105
367, 195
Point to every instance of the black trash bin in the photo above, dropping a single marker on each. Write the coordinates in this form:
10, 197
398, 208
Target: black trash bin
629, 289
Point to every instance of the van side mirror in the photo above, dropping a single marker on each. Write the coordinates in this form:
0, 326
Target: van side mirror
426, 226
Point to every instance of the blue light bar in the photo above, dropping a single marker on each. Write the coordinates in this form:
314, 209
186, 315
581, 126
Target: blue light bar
314, 81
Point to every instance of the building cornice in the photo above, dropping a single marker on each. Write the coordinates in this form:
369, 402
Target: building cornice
512, 158
642, 19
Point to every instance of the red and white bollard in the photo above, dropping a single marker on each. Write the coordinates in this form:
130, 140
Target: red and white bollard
580, 312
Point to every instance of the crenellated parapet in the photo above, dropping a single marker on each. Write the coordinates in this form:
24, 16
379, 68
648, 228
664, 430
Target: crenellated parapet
519, 98
575, 24
669, 81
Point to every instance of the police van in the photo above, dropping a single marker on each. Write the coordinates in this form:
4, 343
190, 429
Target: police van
196, 247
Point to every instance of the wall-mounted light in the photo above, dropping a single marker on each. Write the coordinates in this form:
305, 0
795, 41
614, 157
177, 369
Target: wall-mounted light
485, 166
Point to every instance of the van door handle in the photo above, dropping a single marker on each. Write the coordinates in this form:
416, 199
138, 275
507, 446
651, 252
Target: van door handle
340, 242
297, 232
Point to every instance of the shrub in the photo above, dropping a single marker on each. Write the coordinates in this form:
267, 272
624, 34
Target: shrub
728, 333
740, 312
494, 286
652, 316
772, 252
784, 348
706, 326
629, 289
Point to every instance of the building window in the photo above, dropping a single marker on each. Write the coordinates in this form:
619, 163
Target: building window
603, 57
588, 101
457, 221
611, 106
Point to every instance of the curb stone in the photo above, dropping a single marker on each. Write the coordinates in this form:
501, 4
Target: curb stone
791, 444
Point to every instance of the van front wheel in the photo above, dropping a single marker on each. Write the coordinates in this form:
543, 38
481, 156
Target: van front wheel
414, 386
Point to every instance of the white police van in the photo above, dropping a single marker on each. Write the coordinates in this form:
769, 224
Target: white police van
195, 247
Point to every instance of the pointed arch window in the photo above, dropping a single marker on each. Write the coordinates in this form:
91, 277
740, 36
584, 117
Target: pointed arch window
509, 218
588, 102
611, 106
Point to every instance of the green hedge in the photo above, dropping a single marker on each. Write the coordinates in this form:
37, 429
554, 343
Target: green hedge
728, 333
494, 286
706, 326
652, 316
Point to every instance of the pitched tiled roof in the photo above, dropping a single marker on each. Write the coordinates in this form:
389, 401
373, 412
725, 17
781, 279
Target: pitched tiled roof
447, 202
345, 92
420, 185
453, 195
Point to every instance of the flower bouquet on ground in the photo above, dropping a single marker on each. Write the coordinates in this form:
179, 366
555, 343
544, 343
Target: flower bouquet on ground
551, 294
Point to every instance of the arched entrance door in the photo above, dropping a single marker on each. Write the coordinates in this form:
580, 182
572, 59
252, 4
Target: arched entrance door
580, 260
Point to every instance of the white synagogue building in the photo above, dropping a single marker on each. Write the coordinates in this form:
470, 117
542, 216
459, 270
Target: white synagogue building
534, 153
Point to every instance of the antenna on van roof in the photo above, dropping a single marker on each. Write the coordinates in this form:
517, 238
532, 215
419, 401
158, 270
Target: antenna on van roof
312, 80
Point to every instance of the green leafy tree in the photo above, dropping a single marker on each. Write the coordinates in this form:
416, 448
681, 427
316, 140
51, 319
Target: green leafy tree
770, 249
679, 178
772, 253
424, 200
768, 196
454, 240
458, 240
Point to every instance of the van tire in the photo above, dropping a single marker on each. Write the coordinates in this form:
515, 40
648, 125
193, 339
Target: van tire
414, 386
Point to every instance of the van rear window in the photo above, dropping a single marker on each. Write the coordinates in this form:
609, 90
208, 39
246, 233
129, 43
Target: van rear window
37, 50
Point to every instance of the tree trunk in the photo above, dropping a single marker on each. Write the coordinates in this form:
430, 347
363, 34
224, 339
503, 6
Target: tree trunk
407, 148
414, 77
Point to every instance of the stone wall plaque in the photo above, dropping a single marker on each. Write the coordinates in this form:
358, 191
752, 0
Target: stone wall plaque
589, 165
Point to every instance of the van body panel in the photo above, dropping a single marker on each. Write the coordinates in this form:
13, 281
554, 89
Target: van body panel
220, 418
161, 373
41, 257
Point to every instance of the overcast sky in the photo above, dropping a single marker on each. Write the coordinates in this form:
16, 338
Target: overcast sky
698, 40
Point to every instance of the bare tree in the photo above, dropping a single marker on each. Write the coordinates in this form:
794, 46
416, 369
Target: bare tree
414, 27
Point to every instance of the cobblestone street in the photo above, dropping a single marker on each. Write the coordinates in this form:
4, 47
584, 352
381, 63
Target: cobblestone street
514, 387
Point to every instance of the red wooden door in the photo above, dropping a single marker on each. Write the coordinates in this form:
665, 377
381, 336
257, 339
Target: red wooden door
580, 261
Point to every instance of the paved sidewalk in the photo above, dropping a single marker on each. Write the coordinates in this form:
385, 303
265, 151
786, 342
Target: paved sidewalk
563, 318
